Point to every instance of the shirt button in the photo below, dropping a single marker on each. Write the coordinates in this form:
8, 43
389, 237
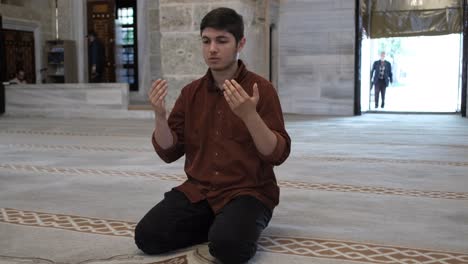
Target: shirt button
216, 173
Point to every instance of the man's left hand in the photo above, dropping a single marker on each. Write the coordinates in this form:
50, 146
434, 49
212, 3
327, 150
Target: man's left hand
242, 104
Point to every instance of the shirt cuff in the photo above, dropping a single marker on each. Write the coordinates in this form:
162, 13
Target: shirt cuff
165, 154
276, 157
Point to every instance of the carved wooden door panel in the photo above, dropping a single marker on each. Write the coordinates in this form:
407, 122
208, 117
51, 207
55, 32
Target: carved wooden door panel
19, 54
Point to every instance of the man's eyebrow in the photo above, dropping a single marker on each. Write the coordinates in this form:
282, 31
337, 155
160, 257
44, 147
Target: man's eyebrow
217, 37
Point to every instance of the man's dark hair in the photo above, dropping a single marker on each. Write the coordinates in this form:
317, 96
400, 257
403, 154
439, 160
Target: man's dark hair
224, 18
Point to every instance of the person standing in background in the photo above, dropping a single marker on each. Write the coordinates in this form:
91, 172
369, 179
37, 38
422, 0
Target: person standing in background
382, 70
19, 78
95, 58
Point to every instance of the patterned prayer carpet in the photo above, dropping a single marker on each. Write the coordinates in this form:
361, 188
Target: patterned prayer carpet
370, 189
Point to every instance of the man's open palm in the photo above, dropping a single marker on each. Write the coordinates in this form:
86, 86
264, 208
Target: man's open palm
157, 96
241, 103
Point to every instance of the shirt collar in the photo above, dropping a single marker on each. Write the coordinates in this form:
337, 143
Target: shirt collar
238, 76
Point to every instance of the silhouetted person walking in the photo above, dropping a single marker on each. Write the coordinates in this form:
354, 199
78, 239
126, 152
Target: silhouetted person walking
382, 70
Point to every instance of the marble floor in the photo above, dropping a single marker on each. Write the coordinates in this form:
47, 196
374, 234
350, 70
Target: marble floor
378, 188
423, 98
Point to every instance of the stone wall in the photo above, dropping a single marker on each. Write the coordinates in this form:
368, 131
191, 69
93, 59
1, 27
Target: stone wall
312, 63
149, 50
316, 54
180, 45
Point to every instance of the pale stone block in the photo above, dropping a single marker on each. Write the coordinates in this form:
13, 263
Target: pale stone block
153, 20
255, 53
301, 84
155, 66
48, 36
103, 97
176, 18
175, 85
67, 99
153, 4
35, 3
347, 60
323, 106
199, 11
35, 16
344, 4
182, 54
309, 60
259, 10
155, 42
334, 86
12, 11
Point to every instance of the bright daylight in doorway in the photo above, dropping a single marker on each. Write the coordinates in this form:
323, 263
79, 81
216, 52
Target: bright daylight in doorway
426, 73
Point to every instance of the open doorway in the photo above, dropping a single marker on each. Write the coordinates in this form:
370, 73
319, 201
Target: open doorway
427, 42
426, 73
115, 25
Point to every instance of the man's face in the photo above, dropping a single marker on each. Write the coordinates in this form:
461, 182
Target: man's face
220, 48
382, 56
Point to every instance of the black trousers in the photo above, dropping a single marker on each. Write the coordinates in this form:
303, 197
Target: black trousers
176, 223
380, 87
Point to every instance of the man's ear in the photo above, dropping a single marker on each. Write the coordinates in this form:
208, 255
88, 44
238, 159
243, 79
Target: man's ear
241, 44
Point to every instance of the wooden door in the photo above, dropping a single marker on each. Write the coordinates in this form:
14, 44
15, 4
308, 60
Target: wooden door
19, 54
101, 19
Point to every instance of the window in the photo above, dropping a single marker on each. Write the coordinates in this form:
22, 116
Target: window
127, 70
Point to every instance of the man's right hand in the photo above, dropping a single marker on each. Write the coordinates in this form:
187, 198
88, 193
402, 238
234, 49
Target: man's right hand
157, 96
162, 132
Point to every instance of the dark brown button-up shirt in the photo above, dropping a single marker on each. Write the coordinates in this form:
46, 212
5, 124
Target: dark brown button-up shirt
221, 160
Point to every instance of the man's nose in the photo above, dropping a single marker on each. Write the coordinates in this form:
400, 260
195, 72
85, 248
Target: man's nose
213, 47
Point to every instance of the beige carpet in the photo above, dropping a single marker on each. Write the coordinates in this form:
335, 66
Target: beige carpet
370, 189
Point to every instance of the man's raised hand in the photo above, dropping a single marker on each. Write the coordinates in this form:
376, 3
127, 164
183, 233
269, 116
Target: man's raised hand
239, 101
157, 96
